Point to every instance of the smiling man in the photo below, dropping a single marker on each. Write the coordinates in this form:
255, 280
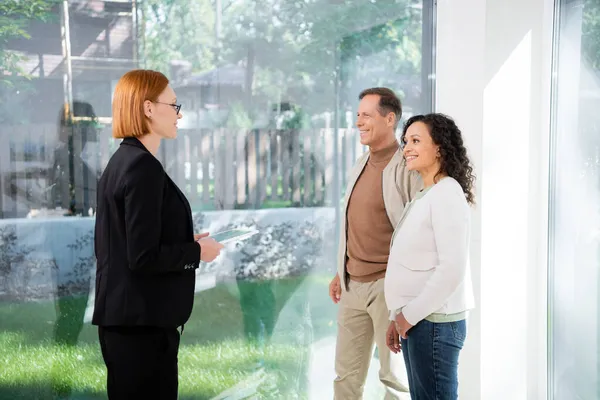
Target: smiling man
378, 187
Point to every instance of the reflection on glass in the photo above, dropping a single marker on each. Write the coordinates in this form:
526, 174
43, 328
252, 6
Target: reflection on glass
575, 199
269, 92
74, 174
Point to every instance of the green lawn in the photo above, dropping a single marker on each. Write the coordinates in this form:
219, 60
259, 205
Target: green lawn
221, 345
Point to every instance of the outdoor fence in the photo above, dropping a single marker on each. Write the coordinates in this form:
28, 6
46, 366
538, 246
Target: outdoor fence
220, 169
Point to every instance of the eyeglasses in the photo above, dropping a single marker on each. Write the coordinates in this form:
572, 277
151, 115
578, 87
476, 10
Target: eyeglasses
177, 107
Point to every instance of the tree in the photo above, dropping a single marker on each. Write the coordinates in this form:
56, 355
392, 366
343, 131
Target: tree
292, 51
589, 123
178, 30
590, 33
15, 17
294, 48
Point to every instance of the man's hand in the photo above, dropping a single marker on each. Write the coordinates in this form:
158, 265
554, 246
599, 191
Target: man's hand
209, 249
402, 326
199, 236
335, 289
392, 339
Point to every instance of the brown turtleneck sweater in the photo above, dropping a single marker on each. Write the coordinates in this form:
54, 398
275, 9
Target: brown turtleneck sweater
369, 229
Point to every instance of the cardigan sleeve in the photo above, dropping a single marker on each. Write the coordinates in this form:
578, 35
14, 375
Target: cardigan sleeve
450, 220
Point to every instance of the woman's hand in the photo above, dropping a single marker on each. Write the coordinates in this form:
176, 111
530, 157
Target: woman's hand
199, 236
402, 326
392, 339
209, 249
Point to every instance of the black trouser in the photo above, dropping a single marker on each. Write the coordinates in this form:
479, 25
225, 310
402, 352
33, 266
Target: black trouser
141, 362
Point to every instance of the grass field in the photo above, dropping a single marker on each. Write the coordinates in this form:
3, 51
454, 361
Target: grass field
45, 357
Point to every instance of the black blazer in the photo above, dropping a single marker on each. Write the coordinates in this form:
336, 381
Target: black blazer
144, 244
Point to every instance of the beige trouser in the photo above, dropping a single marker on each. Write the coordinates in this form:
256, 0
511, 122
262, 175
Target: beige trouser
362, 322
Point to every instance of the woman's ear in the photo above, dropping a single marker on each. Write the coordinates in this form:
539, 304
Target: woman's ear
148, 108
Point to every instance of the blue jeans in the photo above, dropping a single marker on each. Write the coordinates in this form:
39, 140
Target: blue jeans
431, 356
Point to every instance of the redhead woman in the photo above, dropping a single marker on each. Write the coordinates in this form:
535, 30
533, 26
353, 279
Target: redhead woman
145, 246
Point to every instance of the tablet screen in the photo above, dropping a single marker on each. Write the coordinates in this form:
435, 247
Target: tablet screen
233, 235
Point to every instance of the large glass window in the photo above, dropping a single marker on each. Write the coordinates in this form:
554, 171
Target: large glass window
269, 92
574, 257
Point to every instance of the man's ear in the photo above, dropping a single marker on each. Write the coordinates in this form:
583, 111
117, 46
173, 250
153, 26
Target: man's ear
391, 119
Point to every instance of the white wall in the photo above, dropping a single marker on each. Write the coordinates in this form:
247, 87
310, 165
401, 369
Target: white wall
493, 76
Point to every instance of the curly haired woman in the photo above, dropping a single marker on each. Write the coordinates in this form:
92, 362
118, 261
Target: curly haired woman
428, 286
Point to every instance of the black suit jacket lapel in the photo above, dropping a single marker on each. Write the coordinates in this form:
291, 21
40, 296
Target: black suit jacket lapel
184, 201
132, 141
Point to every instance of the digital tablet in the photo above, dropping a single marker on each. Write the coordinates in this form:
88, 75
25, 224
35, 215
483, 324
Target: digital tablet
233, 235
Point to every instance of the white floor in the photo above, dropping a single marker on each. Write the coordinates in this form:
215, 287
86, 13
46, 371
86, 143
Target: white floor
321, 375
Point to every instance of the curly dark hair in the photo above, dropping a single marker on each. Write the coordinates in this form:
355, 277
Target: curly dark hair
454, 160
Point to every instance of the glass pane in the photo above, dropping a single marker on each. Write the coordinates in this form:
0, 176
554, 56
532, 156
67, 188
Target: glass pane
269, 92
575, 205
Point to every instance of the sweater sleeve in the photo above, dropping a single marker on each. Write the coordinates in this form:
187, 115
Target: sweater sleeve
450, 220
